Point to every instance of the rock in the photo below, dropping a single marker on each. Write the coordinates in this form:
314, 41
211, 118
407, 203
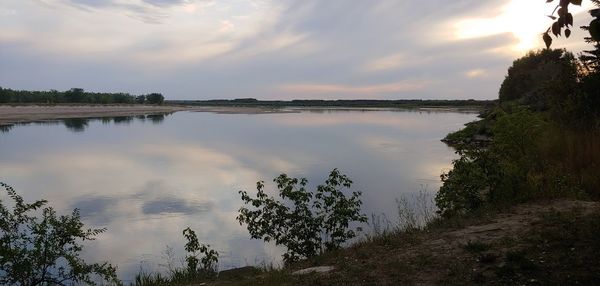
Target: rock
318, 269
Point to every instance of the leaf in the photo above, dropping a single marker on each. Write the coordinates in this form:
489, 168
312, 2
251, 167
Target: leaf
569, 19
567, 33
562, 11
552, 17
547, 40
556, 29
576, 2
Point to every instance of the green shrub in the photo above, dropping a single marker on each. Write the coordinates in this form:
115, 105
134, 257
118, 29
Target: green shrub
468, 185
305, 222
45, 250
500, 173
210, 257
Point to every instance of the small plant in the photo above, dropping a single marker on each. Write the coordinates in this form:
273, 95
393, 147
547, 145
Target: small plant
44, 250
210, 257
305, 222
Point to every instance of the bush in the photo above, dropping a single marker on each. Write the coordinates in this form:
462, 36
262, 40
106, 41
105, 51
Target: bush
506, 171
468, 185
305, 222
209, 260
45, 250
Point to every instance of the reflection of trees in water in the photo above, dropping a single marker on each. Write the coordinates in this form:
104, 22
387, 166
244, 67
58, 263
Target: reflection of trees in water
76, 124
80, 124
5, 128
122, 119
156, 118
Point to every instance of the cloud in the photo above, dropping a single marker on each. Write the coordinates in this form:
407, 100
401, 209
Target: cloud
173, 206
386, 63
270, 49
475, 73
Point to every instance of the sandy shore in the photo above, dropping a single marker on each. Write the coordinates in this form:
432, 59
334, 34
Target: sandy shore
10, 114
28, 113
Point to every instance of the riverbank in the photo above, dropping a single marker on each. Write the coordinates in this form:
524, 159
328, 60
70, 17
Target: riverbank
543, 243
11, 114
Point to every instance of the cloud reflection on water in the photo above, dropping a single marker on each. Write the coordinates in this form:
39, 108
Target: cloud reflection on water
147, 182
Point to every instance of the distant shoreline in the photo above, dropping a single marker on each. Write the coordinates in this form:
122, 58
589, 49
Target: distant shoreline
338, 103
26, 113
12, 114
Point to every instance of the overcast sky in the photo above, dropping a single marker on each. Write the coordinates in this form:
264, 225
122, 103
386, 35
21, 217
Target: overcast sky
272, 49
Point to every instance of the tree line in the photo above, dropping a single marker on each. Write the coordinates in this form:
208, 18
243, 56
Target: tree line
337, 103
76, 95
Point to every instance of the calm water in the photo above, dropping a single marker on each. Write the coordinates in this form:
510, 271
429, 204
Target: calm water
148, 179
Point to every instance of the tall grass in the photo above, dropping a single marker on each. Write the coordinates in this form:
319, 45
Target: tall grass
572, 158
413, 212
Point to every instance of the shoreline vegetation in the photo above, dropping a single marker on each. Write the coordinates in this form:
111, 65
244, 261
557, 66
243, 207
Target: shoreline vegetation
357, 103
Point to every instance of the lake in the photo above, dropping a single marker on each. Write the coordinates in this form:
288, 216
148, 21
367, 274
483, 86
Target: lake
147, 178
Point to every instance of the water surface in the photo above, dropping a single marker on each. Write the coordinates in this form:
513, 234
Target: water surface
146, 179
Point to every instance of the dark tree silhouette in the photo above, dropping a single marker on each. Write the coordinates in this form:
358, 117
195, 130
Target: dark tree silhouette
563, 19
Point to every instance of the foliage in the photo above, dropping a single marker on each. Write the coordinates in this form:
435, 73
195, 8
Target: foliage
75, 95
155, 98
590, 59
196, 270
210, 257
501, 172
467, 186
540, 79
305, 222
45, 250
565, 20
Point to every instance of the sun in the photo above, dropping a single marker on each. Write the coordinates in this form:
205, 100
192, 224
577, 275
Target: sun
524, 19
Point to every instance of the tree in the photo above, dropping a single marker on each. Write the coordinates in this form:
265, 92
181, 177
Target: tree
541, 79
304, 222
140, 99
45, 250
591, 58
155, 98
74, 95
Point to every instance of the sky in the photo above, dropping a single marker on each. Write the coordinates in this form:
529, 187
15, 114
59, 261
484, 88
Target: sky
273, 49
